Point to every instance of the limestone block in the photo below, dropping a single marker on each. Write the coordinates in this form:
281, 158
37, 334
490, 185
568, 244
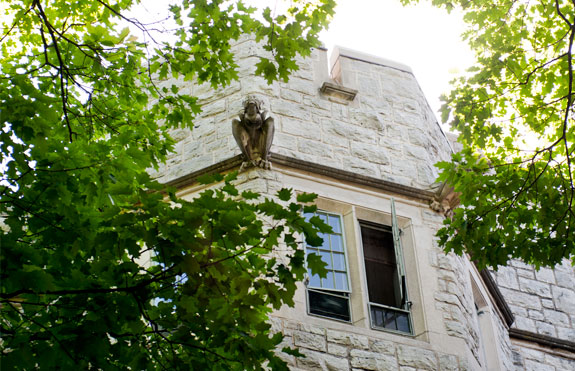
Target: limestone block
301, 86
448, 363
407, 118
360, 166
545, 328
533, 354
526, 324
318, 103
259, 86
345, 338
426, 173
401, 167
314, 148
547, 303
368, 85
521, 299
284, 140
565, 278
286, 108
310, 341
397, 132
537, 366
417, 357
372, 361
417, 152
337, 350
560, 363
556, 318
291, 95
368, 120
507, 277
447, 298
310, 361
535, 287
456, 328
370, 153
545, 275
311, 329
335, 363
535, 314
348, 131
566, 333
301, 128
383, 347
564, 299
340, 112
338, 141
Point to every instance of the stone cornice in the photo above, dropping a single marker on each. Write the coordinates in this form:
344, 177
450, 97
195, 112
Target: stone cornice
344, 175
544, 340
328, 171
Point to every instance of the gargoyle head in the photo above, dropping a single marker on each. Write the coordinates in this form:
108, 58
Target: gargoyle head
252, 105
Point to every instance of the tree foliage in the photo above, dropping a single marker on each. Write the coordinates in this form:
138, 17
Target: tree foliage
80, 111
514, 114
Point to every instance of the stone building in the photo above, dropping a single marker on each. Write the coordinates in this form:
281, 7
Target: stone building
362, 136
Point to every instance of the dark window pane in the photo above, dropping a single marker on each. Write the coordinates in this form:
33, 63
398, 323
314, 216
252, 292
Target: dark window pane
332, 306
403, 322
380, 266
390, 319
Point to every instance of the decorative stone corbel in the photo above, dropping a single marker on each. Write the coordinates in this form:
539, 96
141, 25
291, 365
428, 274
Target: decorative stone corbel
445, 200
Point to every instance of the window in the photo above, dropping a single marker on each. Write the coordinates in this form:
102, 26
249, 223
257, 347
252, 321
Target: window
329, 297
385, 276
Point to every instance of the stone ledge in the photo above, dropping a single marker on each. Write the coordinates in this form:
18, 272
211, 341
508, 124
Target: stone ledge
338, 91
544, 340
344, 175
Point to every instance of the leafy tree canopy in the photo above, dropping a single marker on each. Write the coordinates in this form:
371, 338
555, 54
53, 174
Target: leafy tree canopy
514, 114
79, 126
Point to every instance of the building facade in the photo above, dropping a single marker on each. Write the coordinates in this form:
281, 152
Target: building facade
361, 135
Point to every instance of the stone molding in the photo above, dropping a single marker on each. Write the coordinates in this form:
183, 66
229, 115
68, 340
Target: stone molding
544, 340
236, 161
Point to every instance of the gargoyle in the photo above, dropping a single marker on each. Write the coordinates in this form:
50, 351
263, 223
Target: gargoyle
254, 133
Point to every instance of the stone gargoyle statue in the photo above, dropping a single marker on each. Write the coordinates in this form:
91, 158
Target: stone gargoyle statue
254, 133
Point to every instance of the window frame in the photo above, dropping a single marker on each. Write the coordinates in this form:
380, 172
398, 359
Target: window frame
401, 271
326, 291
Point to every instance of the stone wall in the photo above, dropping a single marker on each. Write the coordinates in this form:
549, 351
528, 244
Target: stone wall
388, 131
328, 349
543, 301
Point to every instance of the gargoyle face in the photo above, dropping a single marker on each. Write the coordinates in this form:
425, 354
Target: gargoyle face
251, 109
